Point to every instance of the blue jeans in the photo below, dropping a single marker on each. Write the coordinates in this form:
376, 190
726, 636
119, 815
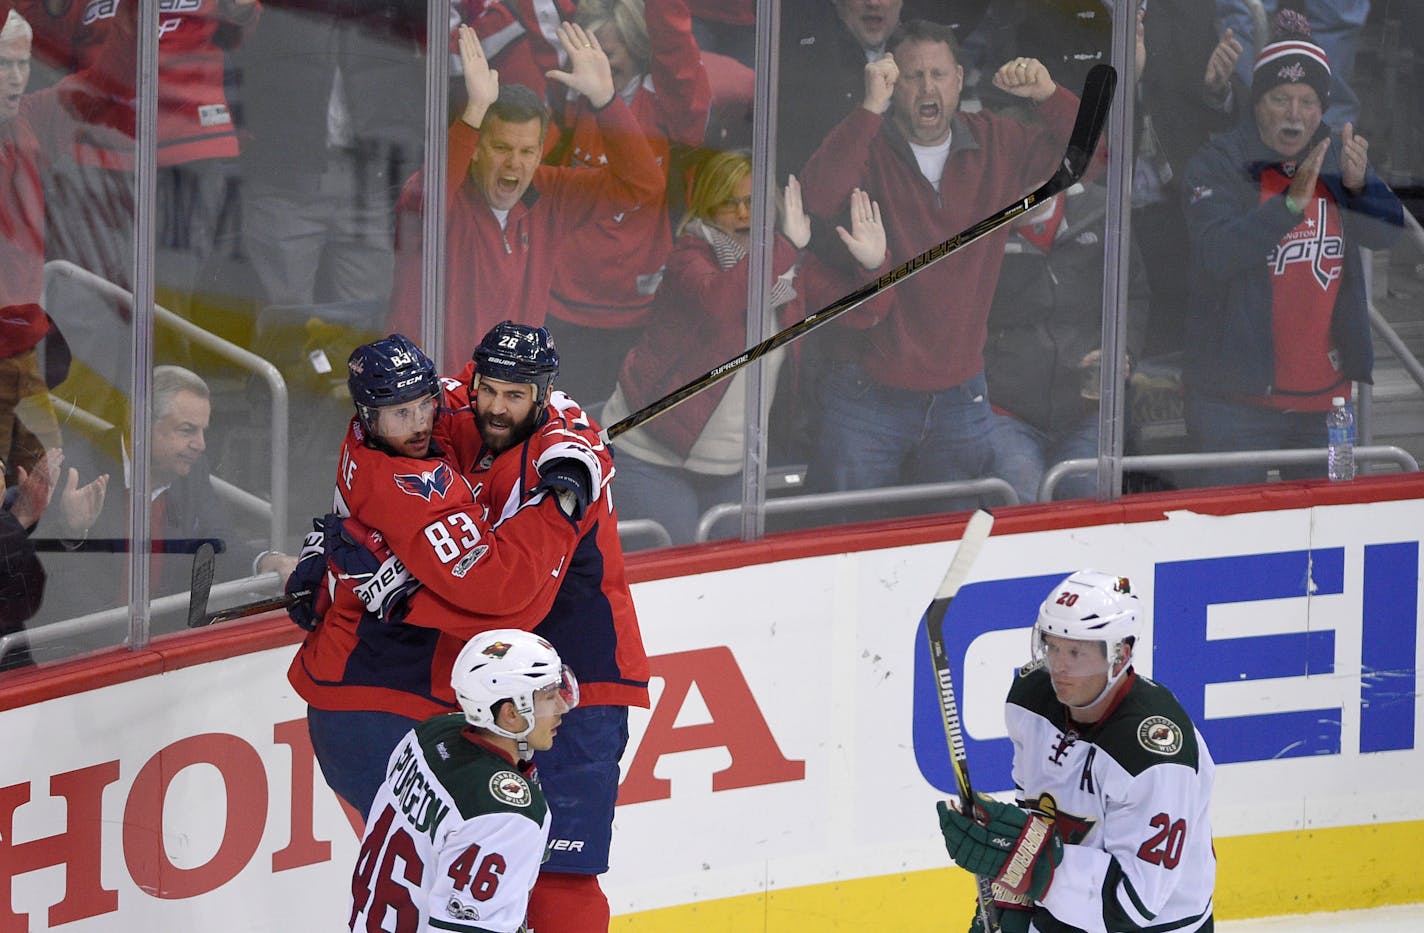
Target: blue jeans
671, 496
871, 435
1218, 424
579, 776
1023, 453
353, 748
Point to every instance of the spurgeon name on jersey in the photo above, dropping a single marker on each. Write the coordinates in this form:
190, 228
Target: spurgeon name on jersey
1130, 796
455, 836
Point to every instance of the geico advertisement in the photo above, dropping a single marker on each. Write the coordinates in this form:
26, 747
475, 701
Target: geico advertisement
794, 738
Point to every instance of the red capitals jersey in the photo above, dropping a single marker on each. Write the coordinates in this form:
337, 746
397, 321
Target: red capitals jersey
437, 523
193, 117
592, 622
1305, 269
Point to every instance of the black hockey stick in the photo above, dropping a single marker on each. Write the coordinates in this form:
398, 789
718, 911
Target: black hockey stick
202, 584
258, 607
1087, 128
975, 534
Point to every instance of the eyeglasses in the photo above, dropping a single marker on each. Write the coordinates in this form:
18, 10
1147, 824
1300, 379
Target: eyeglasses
732, 204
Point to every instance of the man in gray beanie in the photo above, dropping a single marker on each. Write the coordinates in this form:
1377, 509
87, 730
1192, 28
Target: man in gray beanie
1275, 209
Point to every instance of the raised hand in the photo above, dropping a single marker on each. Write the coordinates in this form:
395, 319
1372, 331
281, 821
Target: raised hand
866, 239
588, 73
880, 78
1220, 65
1302, 188
80, 505
1354, 159
481, 81
36, 487
1025, 77
795, 225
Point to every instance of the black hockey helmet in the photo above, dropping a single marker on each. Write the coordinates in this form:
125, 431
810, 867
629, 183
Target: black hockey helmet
513, 352
388, 371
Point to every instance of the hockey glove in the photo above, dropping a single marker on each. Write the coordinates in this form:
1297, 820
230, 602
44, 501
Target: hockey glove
1015, 913
308, 578
1015, 849
573, 477
361, 557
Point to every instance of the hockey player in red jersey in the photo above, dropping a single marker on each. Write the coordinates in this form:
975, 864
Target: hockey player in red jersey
518, 436
369, 676
1112, 828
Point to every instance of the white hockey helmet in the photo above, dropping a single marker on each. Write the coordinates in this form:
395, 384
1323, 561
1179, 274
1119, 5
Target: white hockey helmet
508, 664
1091, 606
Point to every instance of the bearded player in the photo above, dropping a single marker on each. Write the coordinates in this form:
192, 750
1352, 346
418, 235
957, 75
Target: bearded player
372, 665
1112, 827
515, 437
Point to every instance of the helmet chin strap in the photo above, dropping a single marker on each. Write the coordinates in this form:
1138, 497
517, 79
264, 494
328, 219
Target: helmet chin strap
1107, 688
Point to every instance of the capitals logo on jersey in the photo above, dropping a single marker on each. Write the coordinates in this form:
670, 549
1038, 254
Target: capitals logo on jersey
426, 485
1314, 242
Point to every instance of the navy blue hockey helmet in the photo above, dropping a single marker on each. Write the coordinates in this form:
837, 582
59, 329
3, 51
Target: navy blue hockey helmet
388, 371
513, 352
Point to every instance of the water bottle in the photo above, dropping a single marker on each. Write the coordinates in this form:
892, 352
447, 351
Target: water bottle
1340, 436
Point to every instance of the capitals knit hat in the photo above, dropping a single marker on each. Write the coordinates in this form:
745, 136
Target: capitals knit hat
1291, 58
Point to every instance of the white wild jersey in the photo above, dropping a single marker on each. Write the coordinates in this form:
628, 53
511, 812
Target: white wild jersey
1131, 797
454, 840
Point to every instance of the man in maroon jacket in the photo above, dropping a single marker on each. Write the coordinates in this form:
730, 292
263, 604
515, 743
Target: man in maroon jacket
903, 397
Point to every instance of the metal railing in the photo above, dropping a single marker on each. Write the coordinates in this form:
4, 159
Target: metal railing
990, 486
244, 359
630, 532
116, 619
1237, 458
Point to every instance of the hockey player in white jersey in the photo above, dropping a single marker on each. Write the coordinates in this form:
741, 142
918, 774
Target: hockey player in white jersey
1112, 831
458, 829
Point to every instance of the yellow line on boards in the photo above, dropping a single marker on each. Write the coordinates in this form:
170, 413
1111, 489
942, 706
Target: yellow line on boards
1305, 871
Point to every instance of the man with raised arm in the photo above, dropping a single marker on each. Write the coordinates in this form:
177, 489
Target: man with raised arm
505, 212
903, 396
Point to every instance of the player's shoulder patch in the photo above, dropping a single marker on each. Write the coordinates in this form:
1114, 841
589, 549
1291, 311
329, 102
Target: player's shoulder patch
478, 780
1160, 735
1149, 728
509, 787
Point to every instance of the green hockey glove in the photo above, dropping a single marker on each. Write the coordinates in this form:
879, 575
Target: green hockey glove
1013, 848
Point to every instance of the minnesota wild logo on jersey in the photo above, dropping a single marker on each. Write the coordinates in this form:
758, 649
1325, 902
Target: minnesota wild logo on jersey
1136, 785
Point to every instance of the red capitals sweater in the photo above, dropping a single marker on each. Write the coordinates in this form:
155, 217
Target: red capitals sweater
193, 117
592, 622
611, 265
26, 143
434, 522
932, 336
493, 273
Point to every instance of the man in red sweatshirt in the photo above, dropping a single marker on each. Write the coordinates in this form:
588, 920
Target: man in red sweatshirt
903, 397
505, 212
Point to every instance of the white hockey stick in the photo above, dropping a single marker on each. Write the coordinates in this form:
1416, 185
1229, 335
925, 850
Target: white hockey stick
970, 543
